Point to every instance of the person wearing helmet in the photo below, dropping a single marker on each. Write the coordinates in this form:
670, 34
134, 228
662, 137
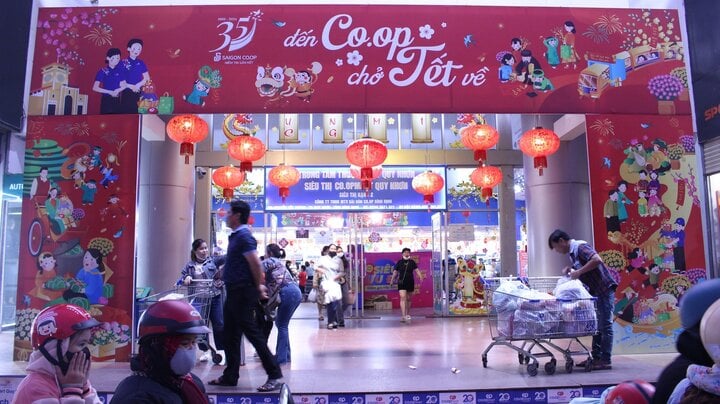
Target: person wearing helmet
60, 362
168, 331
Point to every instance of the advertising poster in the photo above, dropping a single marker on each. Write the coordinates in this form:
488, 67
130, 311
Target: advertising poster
647, 224
379, 293
78, 226
335, 59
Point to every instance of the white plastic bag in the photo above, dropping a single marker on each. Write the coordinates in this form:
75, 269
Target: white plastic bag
571, 289
333, 292
312, 296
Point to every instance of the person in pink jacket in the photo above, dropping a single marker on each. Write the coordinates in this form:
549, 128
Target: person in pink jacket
60, 362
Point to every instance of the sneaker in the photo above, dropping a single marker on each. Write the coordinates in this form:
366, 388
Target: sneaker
331, 326
205, 356
601, 365
408, 318
402, 319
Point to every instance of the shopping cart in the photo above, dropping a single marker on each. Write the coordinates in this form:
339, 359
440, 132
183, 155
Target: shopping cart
199, 294
530, 326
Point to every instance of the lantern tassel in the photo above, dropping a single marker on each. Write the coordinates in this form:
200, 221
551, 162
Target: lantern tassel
284, 193
486, 194
429, 199
246, 166
228, 193
186, 149
366, 173
540, 162
480, 156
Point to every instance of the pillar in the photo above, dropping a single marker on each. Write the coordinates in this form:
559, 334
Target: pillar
559, 199
506, 202
165, 213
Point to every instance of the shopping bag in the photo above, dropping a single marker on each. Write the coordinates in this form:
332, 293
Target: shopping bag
312, 296
332, 289
166, 104
349, 297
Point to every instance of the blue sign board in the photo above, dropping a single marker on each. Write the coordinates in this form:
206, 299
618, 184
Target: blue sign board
335, 189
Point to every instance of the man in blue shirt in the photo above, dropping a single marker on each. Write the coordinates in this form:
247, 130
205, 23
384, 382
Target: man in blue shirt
587, 266
243, 278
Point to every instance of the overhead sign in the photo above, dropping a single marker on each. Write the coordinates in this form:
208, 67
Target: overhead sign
335, 189
356, 58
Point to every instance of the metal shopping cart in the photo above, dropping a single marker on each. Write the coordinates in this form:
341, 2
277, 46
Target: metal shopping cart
199, 294
530, 326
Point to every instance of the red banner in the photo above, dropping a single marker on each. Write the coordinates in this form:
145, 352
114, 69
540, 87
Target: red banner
351, 58
646, 216
377, 288
78, 223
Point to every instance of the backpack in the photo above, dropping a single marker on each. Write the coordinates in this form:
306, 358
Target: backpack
273, 301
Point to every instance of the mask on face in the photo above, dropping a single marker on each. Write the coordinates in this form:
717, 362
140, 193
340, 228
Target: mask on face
183, 361
406, 258
340, 254
332, 254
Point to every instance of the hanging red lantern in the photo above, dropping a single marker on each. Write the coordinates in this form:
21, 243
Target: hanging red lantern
228, 178
365, 184
366, 153
284, 177
486, 177
246, 149
187, 130
427, 184
479, 138
539, 143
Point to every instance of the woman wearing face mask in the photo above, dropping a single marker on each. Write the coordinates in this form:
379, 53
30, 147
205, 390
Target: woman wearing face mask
60, 363
403, 274
343, 272
168, 331
329, 267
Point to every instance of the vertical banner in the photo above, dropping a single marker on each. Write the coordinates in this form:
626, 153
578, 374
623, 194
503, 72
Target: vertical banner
78, 223
421, 128
288, 129
377, 127
648, 229
380, 294
332, 128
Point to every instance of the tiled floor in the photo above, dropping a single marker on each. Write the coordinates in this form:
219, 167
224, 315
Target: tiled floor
379, 354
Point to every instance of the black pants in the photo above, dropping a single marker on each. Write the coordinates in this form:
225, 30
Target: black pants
239, 314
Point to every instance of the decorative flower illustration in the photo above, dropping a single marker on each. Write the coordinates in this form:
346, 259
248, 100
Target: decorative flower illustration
675, 151
501, 54
24, 319
338, 62
426, 31
688, 143
354, 58
374, 237
78, 213
681, 74
665, 87
614, 259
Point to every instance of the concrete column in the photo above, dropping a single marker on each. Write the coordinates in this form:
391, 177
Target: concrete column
559, 199
506, 202
203, 204
165, 213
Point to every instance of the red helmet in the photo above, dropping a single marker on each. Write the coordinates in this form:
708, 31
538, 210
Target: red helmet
171, 317
631, 392
59, 322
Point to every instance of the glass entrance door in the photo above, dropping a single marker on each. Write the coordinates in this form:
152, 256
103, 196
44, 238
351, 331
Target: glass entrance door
10, 227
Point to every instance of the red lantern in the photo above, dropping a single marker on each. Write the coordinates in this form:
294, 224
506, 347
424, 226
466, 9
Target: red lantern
479, 137
366, 153
427, 184
539, 143
365, 184
228, 178
486, 177
284, 177
187, 130
246, 149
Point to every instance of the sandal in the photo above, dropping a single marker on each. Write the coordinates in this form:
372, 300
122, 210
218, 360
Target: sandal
271, 385
220, 381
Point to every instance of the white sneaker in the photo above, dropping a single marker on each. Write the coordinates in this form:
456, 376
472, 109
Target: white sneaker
205, 356
408, 318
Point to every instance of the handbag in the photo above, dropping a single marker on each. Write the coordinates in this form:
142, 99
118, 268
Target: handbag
312, 296
271, 304
166, 104
349, 297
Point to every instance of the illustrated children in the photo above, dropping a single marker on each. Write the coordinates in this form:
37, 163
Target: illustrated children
40, 187
207, 79
622, 201
610, 211
653, 202
92, 274
505, 70
113, 216
642, 203
568, 54
46, 271
89, 189
540, 82
551, 54
137, 75
110, 81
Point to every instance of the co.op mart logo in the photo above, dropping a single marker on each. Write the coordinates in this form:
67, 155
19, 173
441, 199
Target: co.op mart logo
236, 33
